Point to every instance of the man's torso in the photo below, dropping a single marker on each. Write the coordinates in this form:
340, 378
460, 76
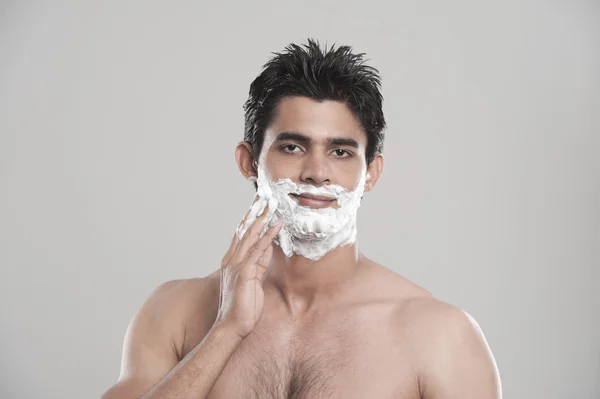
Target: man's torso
363, 348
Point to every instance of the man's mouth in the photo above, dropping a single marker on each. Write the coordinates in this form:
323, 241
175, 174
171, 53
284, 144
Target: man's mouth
314, 201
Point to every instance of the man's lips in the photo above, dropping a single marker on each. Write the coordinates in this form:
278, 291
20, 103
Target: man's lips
313, 201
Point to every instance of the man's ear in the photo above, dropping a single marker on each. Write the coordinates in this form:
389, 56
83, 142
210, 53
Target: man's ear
245, 160
374, 172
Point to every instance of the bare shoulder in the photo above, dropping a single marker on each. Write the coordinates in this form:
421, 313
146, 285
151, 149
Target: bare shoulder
177, 296
194, 304
154, 338
437, 319
415, 302
431, 317
428, 318
175, 305
450, 352
184, 297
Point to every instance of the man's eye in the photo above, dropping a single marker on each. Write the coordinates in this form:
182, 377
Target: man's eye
342, 153
289, 148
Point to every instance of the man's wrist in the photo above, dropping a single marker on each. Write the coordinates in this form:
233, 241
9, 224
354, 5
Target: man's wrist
225, 334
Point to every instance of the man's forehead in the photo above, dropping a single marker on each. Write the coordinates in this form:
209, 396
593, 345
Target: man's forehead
319, 121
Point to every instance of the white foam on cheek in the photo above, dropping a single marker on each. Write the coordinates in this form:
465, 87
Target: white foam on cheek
306, 231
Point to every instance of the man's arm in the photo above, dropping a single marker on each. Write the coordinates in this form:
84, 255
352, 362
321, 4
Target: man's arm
150, 367
458, 361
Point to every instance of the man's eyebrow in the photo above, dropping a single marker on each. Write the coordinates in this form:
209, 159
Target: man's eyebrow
344, 141
331, 141
294, 136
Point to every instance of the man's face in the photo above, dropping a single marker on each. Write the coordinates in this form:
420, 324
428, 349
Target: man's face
312, 173
314, 143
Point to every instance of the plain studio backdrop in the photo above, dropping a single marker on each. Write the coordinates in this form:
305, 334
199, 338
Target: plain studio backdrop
118, 122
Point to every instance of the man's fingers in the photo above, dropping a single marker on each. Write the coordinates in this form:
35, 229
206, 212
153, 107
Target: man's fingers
258, 249
255, 210
252, 235
272, 207
259, 255
240, 229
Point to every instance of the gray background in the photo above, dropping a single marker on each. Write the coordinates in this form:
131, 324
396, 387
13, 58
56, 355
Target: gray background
118, 122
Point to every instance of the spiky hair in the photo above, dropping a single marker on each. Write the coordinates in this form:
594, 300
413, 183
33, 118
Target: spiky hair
321, 74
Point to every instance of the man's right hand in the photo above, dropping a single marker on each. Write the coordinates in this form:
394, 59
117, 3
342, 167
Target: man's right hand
150, 367
243, 269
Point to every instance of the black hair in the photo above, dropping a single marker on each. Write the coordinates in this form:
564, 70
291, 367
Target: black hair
321, 74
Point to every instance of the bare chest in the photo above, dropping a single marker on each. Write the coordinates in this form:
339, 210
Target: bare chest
336, 359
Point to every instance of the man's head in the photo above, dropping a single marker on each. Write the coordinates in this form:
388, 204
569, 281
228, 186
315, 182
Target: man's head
314, 118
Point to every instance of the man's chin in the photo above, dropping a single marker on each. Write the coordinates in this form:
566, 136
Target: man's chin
296, 235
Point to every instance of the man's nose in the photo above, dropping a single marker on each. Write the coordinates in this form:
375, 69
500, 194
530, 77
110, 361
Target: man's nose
315, 170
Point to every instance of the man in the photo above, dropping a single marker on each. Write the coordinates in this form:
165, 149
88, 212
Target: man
296, 311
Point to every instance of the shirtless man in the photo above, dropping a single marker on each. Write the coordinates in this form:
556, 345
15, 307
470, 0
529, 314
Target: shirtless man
296, 310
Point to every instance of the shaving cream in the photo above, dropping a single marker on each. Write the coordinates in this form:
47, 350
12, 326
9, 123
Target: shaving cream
308, 232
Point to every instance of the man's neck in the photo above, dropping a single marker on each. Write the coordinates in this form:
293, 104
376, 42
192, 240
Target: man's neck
303, 284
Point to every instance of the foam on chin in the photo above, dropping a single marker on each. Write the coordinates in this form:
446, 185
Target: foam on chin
307, 231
